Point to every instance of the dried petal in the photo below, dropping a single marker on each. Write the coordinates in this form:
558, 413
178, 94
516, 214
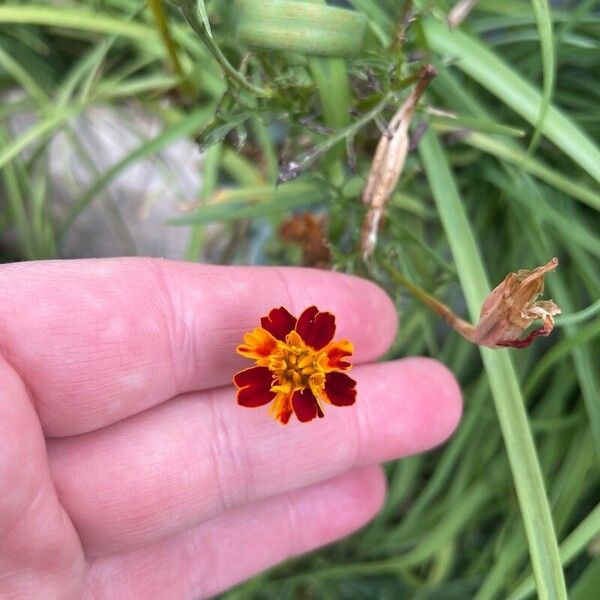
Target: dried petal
512, 306
307, 231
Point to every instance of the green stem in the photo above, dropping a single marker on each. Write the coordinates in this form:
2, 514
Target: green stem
308, 158
163, 27
191, 16
578, 317
430, 301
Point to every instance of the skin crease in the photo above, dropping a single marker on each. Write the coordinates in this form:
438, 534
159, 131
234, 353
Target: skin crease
127, 469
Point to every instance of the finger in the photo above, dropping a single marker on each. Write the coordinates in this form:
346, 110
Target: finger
242, 542
104, 339
40, 554
189, 459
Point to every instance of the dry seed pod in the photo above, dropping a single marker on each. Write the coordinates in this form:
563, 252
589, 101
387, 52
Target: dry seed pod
301, 27
388, 163
512, 306
460, 12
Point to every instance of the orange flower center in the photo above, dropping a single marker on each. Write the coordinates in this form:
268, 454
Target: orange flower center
296, 366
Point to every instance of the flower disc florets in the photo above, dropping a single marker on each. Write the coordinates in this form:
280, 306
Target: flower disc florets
297, 365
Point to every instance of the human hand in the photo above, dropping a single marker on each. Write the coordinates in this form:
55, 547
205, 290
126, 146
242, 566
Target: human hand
127, 470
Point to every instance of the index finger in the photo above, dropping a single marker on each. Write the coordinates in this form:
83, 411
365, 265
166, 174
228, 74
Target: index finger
98, 340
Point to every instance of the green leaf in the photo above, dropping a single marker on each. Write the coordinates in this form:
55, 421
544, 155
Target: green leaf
253, 202
204, 16
504, 384
307, 27
75, 18
543, 19
575, 543
489, 70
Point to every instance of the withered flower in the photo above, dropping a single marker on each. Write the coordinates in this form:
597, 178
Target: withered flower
307, 231
512, 306
507, 312
388, 163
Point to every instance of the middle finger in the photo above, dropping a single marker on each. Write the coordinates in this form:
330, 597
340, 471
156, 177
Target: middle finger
181, 463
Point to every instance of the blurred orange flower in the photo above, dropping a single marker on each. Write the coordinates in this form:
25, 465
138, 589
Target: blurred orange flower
297, 365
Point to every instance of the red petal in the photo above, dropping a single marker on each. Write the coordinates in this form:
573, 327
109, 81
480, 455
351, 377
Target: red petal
285, 417
316, 328
335, 356
525, 341
279, 322
255, 384
340, 389
305, 405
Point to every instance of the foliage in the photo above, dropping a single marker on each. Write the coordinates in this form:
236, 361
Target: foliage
507, 181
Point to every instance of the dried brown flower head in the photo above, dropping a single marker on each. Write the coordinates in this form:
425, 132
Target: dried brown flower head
509, 309
307, 231
512, 306
388, 163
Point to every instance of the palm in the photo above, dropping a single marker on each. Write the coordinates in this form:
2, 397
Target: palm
130, 470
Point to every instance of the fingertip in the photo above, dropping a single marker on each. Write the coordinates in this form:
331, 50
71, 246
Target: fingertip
408, 406
450, 401
370, 485
344, 504
440, 398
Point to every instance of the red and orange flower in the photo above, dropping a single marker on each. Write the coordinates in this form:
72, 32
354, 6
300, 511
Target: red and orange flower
297, 365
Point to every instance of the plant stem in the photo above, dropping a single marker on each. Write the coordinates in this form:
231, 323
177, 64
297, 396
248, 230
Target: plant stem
163, 27
460, 325
191, 16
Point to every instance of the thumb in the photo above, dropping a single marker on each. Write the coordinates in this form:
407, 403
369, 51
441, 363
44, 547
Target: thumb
40, 554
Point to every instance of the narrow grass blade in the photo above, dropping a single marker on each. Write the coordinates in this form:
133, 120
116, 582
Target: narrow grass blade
475, 124
22, 77
489, 70
204, 16
255, 202
518, 157
16, 203
505, 388
575, 543
75, 18
543, 19
41, 128
210, 174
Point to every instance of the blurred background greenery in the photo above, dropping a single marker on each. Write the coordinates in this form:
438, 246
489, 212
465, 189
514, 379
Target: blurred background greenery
119, 134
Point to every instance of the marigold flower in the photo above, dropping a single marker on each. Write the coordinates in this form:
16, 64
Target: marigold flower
297, 365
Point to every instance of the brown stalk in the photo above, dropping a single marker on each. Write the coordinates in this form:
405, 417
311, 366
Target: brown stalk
388, 163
